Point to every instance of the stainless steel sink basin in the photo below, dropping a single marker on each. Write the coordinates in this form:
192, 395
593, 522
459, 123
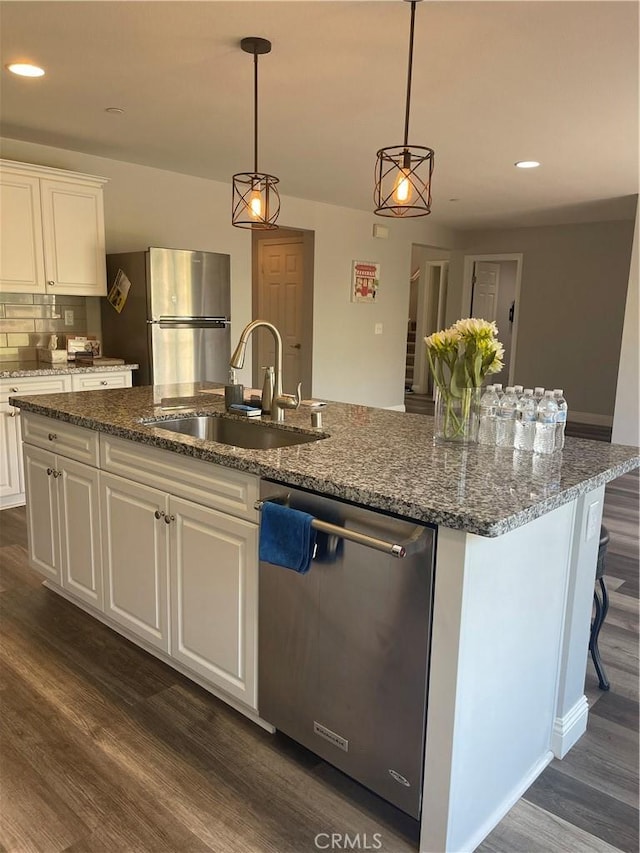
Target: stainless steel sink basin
256, 436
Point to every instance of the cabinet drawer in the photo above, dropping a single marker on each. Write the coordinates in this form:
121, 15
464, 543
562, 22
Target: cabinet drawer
96, 381
34, 385
60, 437
204, 483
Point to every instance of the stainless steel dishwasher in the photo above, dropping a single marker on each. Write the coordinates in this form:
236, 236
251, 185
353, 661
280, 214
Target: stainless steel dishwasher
344, 649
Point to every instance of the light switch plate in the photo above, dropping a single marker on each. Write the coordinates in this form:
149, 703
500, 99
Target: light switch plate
68, 317
377, 329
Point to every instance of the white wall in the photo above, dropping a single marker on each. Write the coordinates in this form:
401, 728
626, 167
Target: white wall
626, 417
572, 304
145, 206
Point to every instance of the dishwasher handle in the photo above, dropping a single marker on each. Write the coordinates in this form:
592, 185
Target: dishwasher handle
410, 546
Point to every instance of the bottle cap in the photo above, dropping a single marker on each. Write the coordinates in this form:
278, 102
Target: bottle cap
558, 392
510, 389
540, 389
528, 390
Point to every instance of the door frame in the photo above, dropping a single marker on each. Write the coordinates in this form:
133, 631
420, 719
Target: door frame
425, 296
467, 292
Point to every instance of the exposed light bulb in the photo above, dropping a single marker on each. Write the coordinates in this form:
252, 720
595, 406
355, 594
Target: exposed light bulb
403, 189
255, 205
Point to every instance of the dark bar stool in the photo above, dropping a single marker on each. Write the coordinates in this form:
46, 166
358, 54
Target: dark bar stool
601, 603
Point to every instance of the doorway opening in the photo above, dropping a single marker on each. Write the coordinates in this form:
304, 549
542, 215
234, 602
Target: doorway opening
427, 311
282, 294
491, 291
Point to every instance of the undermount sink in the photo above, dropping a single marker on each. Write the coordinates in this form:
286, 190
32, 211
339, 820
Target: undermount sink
254, 436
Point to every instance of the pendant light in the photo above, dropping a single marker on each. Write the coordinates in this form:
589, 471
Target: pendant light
403, 172
256, 201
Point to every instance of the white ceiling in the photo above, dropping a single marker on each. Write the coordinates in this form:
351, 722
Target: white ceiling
493, 82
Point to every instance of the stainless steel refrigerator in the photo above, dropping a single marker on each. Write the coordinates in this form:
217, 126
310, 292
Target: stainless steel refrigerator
175, 321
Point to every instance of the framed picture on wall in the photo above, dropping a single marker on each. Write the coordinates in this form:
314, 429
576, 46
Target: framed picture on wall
365, 280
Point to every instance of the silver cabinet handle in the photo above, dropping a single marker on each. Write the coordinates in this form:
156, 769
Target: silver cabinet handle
14, 390
103, 382
52, 436
51, 283
169, 518
49, 472
57, 474
14, 412
159, 513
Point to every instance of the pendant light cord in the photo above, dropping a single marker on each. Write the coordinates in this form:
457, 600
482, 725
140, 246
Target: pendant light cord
255, 112
406, 116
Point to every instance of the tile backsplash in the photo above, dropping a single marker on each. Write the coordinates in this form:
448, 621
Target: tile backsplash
27, 320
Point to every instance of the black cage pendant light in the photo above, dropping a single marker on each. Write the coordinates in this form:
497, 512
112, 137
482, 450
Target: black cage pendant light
256, 201
403, 172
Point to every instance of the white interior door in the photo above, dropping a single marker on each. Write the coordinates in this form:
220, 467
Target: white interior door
281, 280
486, 281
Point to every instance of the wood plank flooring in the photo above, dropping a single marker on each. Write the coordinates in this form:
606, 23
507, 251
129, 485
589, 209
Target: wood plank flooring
104, 749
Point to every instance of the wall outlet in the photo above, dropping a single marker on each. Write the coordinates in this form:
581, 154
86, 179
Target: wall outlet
68, 317
377, 329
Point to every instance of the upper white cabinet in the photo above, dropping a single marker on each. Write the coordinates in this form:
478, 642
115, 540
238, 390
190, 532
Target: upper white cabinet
51, 231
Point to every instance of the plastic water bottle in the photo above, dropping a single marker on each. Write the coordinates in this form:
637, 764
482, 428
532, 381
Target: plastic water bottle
497, 387
538, 393
519, 389
506, 422
488, 413
525, 421
545, 437
561, 417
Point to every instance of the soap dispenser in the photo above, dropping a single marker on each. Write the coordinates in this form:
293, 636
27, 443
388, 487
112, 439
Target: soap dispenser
267, 390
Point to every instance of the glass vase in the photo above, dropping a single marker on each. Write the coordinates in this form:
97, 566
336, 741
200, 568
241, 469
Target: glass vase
457, 417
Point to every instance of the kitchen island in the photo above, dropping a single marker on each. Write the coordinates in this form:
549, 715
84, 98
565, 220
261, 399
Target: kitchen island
517, 538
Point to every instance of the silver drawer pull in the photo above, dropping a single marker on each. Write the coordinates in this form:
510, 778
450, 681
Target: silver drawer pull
169, 518
14, 390
158, 513
49, 472
52, 436
57, 474
14, 412
392, 548
51, 283
103, 382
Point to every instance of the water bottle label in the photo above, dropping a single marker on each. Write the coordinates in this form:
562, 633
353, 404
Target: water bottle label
561, 417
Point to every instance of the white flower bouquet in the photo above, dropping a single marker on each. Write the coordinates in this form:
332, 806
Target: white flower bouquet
460, 358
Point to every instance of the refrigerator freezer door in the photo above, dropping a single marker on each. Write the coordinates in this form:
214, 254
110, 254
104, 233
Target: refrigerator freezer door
188, 284
190, 354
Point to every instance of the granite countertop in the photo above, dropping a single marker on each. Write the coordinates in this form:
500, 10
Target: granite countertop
378, 458
17, 369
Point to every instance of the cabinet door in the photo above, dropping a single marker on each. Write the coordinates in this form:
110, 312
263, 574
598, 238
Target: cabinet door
42, 511
79, 515
214, 575
134, 557
11, 478
21, 259
73, 231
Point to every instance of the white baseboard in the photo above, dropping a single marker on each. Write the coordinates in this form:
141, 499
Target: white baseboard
589, 418
569, 729
399, 408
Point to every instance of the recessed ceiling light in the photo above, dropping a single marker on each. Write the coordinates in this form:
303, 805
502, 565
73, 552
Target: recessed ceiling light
25, 69
114, 110
527, 164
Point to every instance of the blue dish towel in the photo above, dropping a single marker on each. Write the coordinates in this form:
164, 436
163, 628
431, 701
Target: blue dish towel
286, 537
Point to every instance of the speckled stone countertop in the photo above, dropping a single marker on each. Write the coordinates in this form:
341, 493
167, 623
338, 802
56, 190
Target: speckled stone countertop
378, 458
17, 370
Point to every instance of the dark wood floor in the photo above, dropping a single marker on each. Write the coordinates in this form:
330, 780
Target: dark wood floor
103, 749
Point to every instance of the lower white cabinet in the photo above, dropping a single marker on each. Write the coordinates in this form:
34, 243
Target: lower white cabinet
63, 522
135, 558
214, 596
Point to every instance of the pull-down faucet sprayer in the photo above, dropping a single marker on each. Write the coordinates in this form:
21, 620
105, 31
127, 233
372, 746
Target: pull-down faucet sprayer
280, 401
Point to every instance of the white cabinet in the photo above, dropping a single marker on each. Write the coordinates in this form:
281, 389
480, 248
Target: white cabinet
11, 470
190, 526
51, 231
63, 515
135, 558
214, 596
